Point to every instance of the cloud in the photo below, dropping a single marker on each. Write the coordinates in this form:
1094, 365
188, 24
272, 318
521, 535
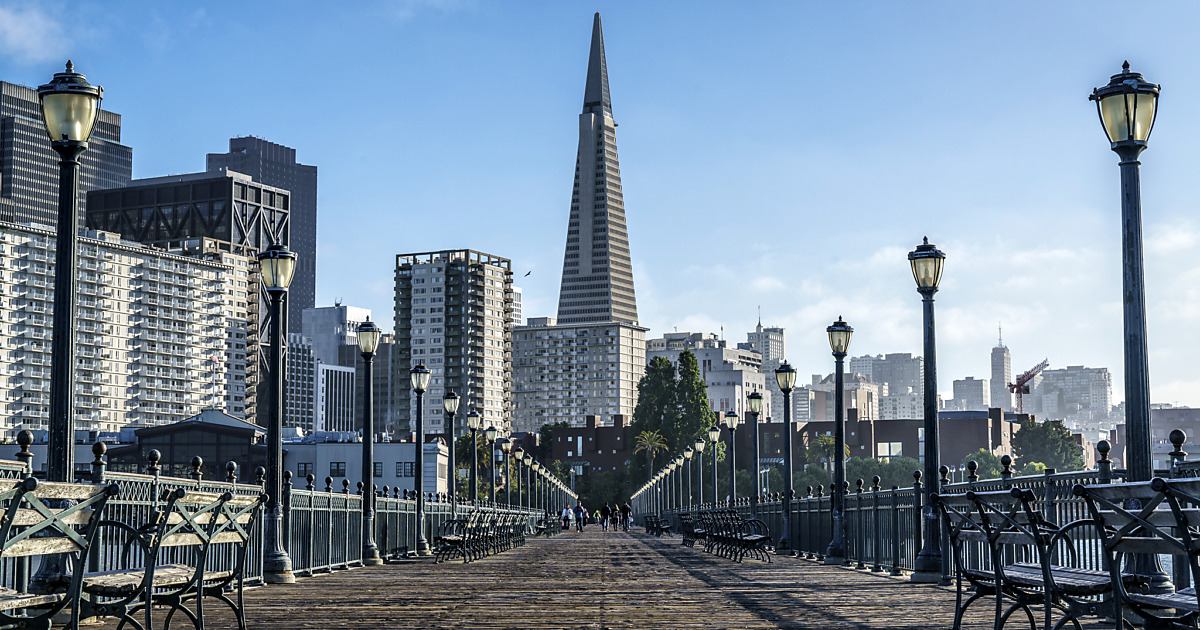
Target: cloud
29, 35
767, 285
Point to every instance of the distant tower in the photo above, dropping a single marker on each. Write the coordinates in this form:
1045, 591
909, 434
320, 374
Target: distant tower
597, 280
1001, 375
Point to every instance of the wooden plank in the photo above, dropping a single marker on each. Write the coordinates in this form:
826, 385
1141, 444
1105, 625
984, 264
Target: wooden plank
26, 517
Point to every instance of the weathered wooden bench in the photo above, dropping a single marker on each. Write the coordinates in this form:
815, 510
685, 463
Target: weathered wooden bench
729, 535
657, 526
168, 559
1159, 516
42, 519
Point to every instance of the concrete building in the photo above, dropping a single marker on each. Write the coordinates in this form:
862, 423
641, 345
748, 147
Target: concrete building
339, 457
771, 344
597, 281
518, 311
1001, 376
29, 167
275, 165
1164, 420
860, 393
331, 327
970, 394
564, 373
596, 446
730, 374
335, 402
384, 395
1075, 394
148, 323
454, 314
900, 378
300, 385
960, 433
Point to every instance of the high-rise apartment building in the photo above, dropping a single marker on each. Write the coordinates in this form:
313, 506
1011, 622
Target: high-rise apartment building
971, 394
29, 167
383, 406
518, 308
770, 343
275, 165
300, 384
597, 281
330, 327
564, 373
149, 323
454, 314
729, 374
1075, 393
1001, 376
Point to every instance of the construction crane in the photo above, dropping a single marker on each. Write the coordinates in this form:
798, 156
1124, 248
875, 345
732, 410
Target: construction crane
1022, 385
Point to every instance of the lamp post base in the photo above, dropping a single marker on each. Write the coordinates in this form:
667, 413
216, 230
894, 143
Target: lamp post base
371, 557
277, 569
834, 560
925, 577
423, 548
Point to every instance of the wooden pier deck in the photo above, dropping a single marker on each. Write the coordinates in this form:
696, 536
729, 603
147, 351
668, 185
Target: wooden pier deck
600, 580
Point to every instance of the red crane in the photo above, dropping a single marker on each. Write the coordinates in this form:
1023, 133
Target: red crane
1022, 385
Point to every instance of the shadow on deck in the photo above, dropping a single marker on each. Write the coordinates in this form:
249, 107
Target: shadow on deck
600, 580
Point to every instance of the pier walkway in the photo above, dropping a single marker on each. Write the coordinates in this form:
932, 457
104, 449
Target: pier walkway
599, 580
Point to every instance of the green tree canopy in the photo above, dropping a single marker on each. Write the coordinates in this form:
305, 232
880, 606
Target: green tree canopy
695, 415
651, 443
822, 449
1049, 443
989, 464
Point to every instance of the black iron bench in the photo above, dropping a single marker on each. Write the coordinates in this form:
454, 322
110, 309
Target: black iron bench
657, 526
729, 535
36, 524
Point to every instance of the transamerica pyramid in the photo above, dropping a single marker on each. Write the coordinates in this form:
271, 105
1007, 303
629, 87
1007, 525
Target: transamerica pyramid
597, 280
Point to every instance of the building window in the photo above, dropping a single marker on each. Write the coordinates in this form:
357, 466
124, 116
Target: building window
378, 469
337, 469
405, 469
889, 449
304, 469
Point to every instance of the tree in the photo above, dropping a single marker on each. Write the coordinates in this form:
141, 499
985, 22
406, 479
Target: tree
822, 449
649, 442
656, 409
545, 446
812, 476
462, 461
694, 415
989, 464
1049, 443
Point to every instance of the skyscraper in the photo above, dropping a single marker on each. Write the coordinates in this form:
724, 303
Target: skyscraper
597, 281
29, 167
1001, 376
275, 165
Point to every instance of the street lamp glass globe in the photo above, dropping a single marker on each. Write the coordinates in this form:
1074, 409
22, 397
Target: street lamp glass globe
671, 466
699, 445
688, 452
679, 461
926, 261
474, 420
1127, 106
277, 264
368, 334
506, 446
839, 336
785, 376
450, 402
754, 402
70, 106
518, 455
491, 433
731, 420
419, 375
714, 433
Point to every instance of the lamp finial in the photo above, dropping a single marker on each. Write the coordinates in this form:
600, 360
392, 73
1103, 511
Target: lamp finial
70, 66
1124, 66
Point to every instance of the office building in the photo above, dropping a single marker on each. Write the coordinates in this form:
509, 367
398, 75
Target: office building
770, 343
331, 327
564, 373
454, 315
300, 385
518, 311
275, 165
597, 281
729, 374
970, 394
29, 169
1001, 376
148, 323
335, 400
1075, 393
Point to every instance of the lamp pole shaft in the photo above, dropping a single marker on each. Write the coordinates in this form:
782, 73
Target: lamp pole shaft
507, 482
277, 565
732, 466
474, 492
698, 475
785, 541
836, 553
928, 567
60, 464
370, 552
756, 484
453, 468
492, 472
716, 494
419, 478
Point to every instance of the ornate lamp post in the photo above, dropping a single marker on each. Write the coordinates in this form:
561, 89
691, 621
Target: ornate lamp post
419, 375
69, 108
368, 341
731, 423
528, 459
754, 407
672, 502
1127, 108
277, 265
926, 261
474, 423
785, 376
490, 435
839, 342
517, 456
450, 403
698, 471
714, 434
687, 475
680, 484
505, 448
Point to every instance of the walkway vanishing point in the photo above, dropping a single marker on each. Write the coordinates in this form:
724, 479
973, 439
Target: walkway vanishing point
599, 580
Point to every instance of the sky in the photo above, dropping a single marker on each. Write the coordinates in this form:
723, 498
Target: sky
775, 155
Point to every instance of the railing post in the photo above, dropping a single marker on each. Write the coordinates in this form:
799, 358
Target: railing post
98, 465
918, 507
895, 530
308, 533
197, 474
876, 554
860, 538
944, 472
1006, 472
285, 504
1182, 576
231, 473
1104, 464
972, 473
24, 439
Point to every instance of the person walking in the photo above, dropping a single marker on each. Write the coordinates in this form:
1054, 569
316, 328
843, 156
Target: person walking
605, 516
566, 518
626, 515
580, 516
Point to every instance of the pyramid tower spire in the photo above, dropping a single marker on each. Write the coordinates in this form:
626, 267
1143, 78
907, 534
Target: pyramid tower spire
597, 280
595, 93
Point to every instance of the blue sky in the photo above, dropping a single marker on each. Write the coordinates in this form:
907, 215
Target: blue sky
784, 155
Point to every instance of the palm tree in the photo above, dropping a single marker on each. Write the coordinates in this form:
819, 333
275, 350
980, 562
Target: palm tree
822, 449
651, 442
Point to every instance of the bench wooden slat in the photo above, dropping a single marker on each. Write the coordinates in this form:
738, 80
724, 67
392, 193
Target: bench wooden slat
60, 490
40, 546
10, 599
26, 517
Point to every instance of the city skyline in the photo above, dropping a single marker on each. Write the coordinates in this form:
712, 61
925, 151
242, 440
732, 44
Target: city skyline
746, 182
